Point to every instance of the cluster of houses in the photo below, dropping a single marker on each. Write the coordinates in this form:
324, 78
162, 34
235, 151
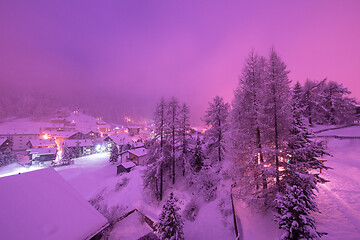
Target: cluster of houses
50, 148
47, 145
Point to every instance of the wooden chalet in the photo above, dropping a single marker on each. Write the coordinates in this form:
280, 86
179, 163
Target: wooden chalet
41, 143
5, 143
41, 155
139, 156
124, 167
86, 145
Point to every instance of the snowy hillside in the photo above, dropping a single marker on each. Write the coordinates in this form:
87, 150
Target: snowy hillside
93, 177
22, 125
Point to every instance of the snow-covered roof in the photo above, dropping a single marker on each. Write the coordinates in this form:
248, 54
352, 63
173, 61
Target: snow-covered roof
132, 227
65, 134
87, 131
138, 144
2, 140
74, 142
128, 164
139, 152
121, 139
45, 206
42, 151
42, 142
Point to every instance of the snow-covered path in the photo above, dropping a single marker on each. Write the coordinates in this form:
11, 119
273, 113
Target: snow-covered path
339, 199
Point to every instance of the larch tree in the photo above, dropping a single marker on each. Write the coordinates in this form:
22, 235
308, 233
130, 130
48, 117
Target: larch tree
277, 108
154, 174
312, 101
247, 128
172, 131
215, 119
339, 108
184, 137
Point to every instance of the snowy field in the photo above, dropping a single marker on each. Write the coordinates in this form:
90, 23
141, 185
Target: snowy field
353, 131
339, 199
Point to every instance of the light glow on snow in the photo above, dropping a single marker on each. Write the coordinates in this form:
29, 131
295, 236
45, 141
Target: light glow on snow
17, 169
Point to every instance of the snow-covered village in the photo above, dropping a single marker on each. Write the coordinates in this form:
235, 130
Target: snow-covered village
135, 120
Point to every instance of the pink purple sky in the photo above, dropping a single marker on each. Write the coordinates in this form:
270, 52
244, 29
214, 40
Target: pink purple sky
137, 51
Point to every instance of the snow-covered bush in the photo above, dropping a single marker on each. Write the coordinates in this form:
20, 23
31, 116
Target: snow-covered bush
191, 210
206, 182
7, 157
95, 201
113, 213
121, 183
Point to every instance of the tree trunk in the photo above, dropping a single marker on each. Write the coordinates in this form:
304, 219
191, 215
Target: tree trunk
258, 136
161, 183
276, 140
220, 133
173, 148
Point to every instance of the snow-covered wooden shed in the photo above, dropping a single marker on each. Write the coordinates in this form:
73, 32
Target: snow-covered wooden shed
42, 205
125, 167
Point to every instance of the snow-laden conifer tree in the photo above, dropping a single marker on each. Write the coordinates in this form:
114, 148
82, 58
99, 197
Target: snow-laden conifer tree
184, 137
312, 100
247, 129
198, 157
339, 108
327, 103
294, 207
78, 150
159, 153
170, 225
172, 131
296, 201
67, 155
277, 109
153, 175
114, 154
215, 119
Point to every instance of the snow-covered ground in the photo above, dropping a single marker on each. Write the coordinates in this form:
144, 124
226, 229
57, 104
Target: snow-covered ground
353, 131
93, 175
339, 199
